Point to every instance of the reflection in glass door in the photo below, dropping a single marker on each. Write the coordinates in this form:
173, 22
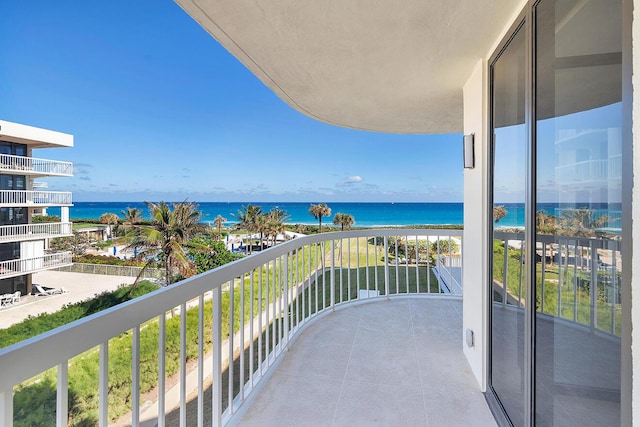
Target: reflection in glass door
509, 162
556, 187
578, 212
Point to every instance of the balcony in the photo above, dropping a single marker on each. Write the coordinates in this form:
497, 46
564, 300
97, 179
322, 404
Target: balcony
267, 300
26, 198
326, 329
19, 267
21, 165
22, 232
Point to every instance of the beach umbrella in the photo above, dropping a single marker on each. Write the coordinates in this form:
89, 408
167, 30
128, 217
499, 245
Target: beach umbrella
114, 251
135, 252
232, 248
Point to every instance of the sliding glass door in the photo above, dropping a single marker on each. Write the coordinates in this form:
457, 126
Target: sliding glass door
578, 130
509, 149
556, 179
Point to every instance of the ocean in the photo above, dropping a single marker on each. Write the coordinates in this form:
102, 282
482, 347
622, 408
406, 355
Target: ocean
365, 214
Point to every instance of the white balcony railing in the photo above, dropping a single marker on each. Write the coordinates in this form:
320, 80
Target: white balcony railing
18, 232
256, 305
579, 278
18, 267
33, 166
23, 198
588, 171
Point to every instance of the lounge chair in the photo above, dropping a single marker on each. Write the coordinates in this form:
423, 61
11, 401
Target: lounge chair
15, 298
41, 290
5, 299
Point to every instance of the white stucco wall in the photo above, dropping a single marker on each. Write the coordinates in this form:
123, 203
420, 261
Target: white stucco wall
474, 253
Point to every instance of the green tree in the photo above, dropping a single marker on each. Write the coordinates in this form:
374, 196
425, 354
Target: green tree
132, 216
344, 220
581, 222
207, 253
76, 244
318, 211
110, 219
248, 219
275, 223
171, 228
499, 212
219, 221
545, 222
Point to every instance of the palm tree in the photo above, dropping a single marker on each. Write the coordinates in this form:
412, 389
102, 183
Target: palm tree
110, 219
345, 220
132, 216
275, 221
219, 222
318, 211
248, 219
581, 222
170, 230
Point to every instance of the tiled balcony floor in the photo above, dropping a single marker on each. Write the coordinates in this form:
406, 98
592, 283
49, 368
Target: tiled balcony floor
393, 363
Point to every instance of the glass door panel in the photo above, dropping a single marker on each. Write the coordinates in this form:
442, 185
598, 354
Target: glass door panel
578, 212
509, 173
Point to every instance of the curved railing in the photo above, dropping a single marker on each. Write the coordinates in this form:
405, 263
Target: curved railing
242, 317
578, 278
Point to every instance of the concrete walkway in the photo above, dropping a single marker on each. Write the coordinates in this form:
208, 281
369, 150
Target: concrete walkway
80, 286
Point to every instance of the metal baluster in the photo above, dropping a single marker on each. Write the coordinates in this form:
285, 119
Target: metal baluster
200, 360
216, 386
162, 321
183, 365
135, 377
62, 395
103, 386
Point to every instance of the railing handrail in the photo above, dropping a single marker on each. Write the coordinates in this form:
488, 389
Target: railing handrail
100, 327
32, 163
35, 225
35, 191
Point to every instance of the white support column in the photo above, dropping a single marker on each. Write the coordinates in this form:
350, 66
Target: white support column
64, 214
474, 250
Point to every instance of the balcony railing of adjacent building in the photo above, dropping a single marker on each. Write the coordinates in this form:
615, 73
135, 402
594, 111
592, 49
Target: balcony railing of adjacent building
242, 315
18, 267
22, 198
20, 232
33, 166
590, 170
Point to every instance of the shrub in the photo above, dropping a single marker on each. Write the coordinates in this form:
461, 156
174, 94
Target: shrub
36, 325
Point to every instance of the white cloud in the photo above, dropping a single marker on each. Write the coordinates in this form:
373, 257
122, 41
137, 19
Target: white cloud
355, 179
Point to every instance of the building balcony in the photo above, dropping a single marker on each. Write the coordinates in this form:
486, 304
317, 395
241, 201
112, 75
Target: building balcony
19, 267
335, 328
22, 165
27, 198
37, 231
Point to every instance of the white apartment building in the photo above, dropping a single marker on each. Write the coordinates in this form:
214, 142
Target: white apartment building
23, 243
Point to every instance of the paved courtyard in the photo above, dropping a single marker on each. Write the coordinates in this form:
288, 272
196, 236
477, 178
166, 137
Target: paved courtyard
80, 286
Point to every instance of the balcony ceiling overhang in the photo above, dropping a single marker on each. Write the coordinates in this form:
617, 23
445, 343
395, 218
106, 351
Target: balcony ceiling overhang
390, 66
32, 136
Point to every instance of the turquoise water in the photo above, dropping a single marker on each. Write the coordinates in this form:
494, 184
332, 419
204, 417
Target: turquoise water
365, 214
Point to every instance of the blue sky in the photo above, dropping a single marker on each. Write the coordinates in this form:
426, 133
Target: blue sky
160, 111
